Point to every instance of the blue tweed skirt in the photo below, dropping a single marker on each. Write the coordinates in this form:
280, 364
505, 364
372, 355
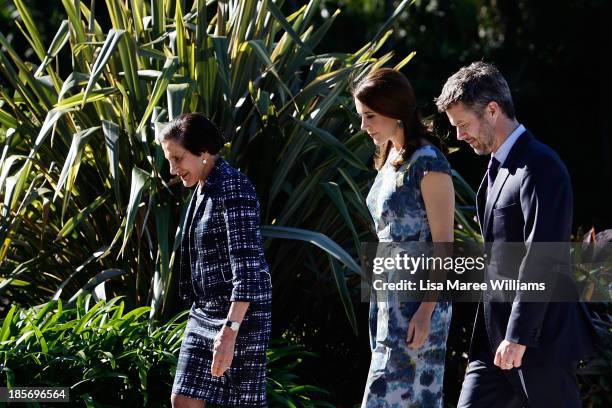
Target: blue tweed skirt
244, 383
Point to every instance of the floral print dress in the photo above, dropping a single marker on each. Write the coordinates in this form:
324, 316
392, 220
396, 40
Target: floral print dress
399, 376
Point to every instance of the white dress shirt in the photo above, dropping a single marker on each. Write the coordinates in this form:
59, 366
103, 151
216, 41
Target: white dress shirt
502, 153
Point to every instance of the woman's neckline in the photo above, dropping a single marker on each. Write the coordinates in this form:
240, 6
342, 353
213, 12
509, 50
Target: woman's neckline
202, 184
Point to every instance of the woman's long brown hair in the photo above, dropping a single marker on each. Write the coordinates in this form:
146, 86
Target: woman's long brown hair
388, 92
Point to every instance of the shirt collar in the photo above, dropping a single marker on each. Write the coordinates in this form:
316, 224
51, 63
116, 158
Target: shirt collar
502, 153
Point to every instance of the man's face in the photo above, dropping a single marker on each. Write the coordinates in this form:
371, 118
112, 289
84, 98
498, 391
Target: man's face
472, 128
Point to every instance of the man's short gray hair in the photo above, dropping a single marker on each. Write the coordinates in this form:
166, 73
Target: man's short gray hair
475, 86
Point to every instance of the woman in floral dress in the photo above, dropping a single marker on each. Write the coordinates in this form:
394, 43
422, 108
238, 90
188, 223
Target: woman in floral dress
412, 199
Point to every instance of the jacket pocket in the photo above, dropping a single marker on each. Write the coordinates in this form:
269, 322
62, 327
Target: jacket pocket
508, 223
505, 209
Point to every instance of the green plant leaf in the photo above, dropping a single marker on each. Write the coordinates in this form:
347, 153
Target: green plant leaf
315, 238
176, 99
345, 296
334, 193
6, 325
90, 286
170, 67
140, 182
79, 217
330, 141
59, 41
72, 164
112, 40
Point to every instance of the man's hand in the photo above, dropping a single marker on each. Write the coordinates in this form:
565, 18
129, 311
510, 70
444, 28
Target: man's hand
223, 351
509, 355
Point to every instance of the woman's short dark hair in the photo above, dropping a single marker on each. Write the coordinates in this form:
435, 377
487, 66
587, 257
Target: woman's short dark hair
195, 132
388, 92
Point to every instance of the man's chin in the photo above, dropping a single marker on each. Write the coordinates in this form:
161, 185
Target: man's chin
480, 151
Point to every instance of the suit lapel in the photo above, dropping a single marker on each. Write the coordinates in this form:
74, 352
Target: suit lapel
481, 198
492, 197
503, 174
184, 253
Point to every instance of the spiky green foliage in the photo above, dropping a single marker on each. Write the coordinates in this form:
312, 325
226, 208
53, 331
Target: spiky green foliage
85, 197
92, 348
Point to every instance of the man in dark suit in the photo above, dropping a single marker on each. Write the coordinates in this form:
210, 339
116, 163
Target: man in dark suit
523, 353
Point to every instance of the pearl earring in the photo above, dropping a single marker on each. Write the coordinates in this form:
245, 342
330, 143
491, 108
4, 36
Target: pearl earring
204, 161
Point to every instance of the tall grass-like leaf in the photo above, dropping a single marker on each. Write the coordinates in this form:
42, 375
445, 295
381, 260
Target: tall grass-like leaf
333, 143
162, 271
74, 222
176, 98
6, 325
32, 35
113, 38
129, 62
39, 337
323, 83
170, 67
80, 99
140, 181
345, 296
302, 192
72, 164
96, 255
317, 239
111, 137
181, 34
221, 45
334, 193
59, 41
89, 286
361, 204
315, 38
405, 61
74, 80
5, 168
275, 11
50, 121
22, 79
261, 52
7, 120
157, 14
77, 30
387, 24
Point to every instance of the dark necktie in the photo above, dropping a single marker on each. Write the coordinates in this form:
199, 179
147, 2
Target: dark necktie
492, 170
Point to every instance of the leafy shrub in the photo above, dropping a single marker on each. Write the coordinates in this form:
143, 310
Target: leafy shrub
110, 357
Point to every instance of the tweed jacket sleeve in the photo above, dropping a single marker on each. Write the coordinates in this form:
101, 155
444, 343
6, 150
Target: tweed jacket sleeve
244, 242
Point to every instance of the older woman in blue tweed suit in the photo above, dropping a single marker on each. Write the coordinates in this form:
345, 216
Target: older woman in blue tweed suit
223, 274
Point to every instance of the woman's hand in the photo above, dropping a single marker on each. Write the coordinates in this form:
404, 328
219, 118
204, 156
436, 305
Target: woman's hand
418, 328
223, 351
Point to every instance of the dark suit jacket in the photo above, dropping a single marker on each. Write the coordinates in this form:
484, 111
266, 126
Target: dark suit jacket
530, 201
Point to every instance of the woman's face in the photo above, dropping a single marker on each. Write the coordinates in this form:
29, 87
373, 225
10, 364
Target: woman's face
380, 128
183, 163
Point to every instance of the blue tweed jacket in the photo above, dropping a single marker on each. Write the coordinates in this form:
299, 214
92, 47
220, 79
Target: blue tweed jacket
221, 248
